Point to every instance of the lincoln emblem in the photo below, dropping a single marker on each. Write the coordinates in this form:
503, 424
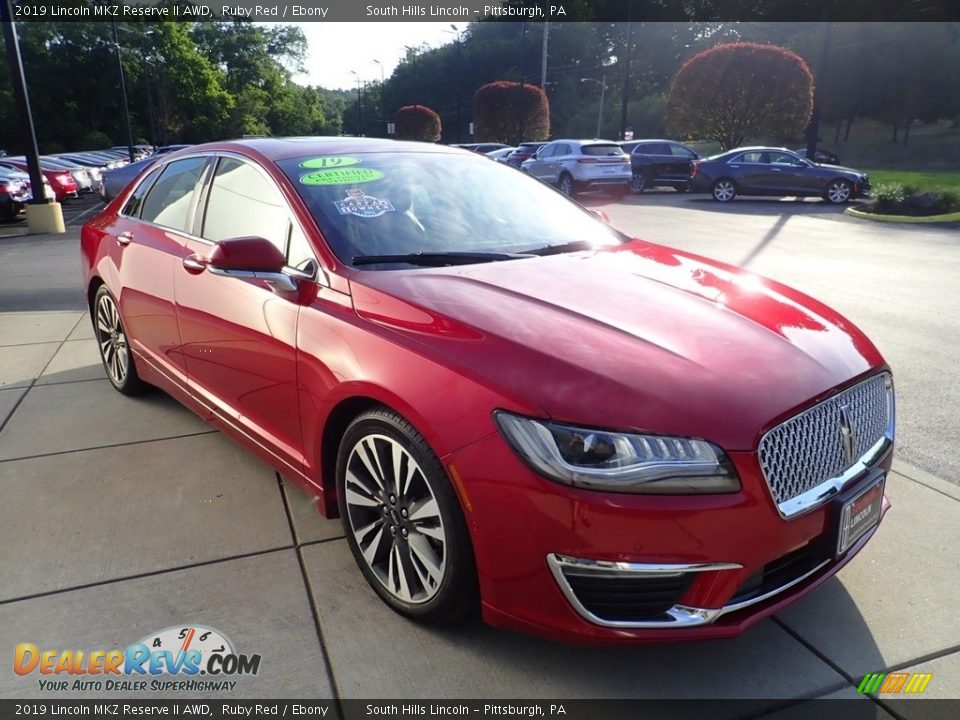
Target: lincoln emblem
847, 435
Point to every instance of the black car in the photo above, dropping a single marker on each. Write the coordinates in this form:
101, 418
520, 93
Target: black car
524, 151
659, 162
819, 156
777, 172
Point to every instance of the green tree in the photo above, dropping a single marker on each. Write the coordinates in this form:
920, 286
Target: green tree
739, 90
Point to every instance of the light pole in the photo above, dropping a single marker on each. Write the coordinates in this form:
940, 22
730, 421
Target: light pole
123, 90
383, 96
454, 29
359, 105
42, 216
603, 91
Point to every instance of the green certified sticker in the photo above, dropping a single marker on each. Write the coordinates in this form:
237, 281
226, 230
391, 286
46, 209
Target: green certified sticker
336, 176
334, 161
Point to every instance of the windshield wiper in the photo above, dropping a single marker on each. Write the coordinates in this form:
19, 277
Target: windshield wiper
438, 259
571, 246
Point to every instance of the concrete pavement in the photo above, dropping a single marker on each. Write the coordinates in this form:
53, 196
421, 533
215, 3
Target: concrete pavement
122, 516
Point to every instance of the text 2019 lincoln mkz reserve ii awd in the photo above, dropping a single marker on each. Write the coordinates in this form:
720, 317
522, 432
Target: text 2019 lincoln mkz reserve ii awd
510, 405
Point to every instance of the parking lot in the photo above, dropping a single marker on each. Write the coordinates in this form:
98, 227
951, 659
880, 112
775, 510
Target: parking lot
126, 516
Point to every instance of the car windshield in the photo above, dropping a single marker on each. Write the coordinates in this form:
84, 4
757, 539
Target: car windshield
404, 204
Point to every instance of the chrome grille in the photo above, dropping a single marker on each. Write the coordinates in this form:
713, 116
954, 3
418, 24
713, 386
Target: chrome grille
809, 450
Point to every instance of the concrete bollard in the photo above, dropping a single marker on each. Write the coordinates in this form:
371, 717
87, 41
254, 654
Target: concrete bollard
46, 218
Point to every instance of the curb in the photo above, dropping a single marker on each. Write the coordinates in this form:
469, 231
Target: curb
922, 477
927, 219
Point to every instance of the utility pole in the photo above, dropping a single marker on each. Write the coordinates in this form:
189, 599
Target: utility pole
523, 68
42, 216
603, 91
359, 104
626, 72
543, 56
383, 99
813, 129
123, 90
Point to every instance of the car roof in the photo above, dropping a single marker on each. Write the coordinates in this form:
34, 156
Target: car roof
761, 148
276, 149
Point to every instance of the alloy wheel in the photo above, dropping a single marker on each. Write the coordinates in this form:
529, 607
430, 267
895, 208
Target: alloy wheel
638, 183
395, 519
112, 339
724, 190
838, 192
566, 185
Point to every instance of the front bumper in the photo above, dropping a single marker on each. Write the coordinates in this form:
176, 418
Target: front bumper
713, 553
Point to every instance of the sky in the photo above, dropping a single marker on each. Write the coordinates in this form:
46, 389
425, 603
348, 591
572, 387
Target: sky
334, 49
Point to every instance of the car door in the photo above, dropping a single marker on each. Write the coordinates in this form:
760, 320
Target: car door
751, 171
150, 233
540, 166
680, 159
238, 333
792, 175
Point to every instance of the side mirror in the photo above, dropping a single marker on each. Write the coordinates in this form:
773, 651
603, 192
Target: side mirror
253, 254
247, 257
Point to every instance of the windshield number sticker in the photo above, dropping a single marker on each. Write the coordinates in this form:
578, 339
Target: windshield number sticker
321, 163
362, 205
337, 176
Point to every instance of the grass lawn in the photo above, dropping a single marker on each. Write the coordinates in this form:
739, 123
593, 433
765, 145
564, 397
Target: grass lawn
919, 180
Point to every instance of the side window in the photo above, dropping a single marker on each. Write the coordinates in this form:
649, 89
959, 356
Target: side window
659, 149
750, 157
547, 151
169, 201
564, 150
681, 151
784, 159
243, 202
644, 149
135, 201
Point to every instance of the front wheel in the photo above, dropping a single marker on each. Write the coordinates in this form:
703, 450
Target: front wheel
724, 190
566, 185
403, 521
838, 192
114, 348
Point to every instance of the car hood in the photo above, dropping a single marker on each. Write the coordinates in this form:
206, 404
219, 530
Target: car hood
839, 168
637, 337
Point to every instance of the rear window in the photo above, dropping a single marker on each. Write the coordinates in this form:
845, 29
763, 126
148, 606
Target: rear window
529, 147
602, 149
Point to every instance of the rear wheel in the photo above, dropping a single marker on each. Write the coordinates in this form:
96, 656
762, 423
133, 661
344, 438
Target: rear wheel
639, 182
838, 191
724, 190
566, 184
403, 521
114, 349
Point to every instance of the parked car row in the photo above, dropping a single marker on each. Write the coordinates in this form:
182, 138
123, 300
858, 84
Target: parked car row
578, 165
70, 175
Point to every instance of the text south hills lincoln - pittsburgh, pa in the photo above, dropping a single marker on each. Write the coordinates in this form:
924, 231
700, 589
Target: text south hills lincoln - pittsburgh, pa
462, 11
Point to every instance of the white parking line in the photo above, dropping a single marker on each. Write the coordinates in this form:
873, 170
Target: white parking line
75, 220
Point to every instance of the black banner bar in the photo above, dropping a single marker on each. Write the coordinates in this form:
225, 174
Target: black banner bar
492, 10
858, 708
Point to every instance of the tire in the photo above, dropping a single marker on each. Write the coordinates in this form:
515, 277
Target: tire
407, 519
118, 361
639, 182
838, 191
724, 190
566, 184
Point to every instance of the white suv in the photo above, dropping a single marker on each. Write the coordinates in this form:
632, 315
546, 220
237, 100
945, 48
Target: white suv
575, 165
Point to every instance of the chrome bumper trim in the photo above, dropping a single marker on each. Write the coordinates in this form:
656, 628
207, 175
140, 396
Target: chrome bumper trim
680, 616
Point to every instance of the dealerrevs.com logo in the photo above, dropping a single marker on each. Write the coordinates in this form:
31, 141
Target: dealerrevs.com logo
173, 659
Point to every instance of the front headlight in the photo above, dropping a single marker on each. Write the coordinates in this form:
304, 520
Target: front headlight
618, 462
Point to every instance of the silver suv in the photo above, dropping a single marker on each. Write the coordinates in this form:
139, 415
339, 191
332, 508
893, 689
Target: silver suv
575, 165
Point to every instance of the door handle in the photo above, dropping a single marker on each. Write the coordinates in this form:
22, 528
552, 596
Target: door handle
777, 169
125, 238
194, 264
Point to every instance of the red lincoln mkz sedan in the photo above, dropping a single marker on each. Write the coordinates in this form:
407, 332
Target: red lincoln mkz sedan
509, 404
